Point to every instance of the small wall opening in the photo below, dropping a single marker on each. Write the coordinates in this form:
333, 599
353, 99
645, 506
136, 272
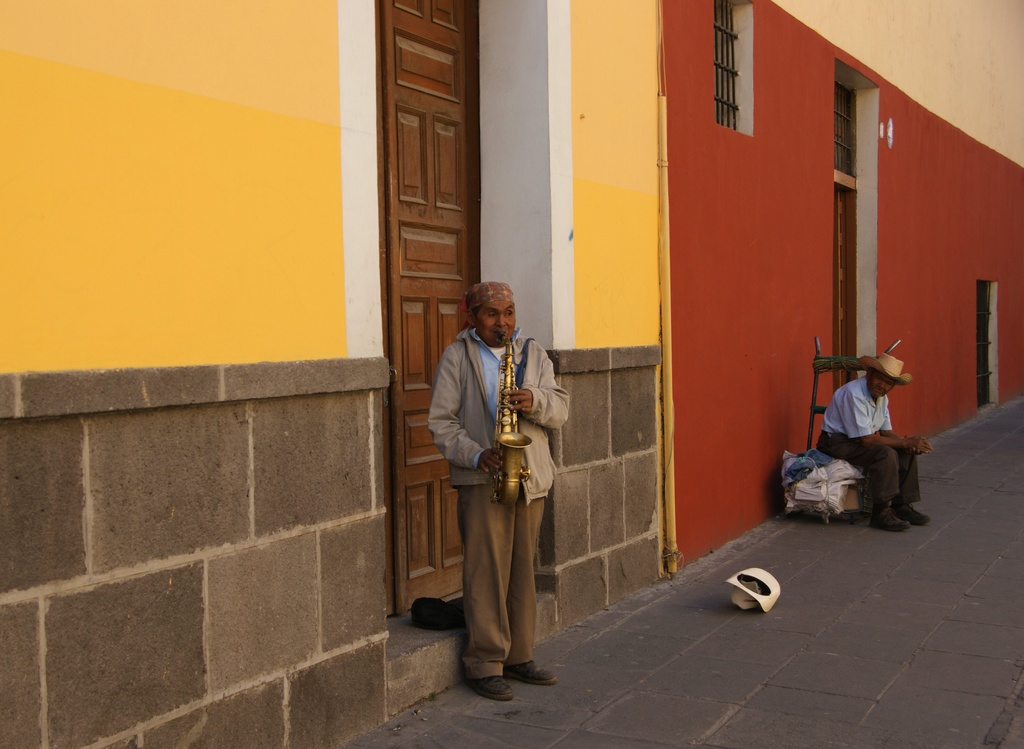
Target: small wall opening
986, 356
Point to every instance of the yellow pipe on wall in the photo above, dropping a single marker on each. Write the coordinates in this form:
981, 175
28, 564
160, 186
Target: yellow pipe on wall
670, 550
670, 553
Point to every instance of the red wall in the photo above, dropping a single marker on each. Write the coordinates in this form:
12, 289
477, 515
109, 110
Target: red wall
752, 264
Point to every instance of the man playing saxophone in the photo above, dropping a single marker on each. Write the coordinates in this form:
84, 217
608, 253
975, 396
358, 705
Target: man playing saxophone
499, 539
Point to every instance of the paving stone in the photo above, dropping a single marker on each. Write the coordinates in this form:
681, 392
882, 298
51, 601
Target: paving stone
669, 719
904, 615
944, 718
973, 638
628, 650
885, 643
1008, 567
738, 643
831, 673
956, 672
539, 712
491, 732
684, 622
824, 705
922, 568
757, 729
581, 685
917, 590
805, 618
702, 677
596, 740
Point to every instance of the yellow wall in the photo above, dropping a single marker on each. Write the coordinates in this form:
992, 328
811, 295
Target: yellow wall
171, 189
961, 60
615, 179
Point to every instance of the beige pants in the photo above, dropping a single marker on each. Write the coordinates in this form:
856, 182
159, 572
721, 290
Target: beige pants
498, 589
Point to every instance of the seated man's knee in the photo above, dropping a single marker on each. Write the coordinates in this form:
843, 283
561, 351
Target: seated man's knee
882, 455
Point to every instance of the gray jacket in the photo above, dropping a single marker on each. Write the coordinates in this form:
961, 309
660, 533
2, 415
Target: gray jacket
462, 422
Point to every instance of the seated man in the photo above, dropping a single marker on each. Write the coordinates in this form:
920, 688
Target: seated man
856, 428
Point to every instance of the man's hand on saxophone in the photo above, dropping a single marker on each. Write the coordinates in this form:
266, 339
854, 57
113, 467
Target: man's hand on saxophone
521, 400
490, 460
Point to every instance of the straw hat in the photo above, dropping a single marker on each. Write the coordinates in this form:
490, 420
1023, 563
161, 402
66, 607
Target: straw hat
890, 366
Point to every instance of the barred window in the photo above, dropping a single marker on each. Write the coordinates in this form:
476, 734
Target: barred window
726, 71
984, 358
844, 129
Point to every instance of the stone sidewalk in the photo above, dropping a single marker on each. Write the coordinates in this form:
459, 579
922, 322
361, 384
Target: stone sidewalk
912, 639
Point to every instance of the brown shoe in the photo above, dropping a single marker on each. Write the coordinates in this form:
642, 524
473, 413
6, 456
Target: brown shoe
491, 687
886, 520
531, 673
912, 516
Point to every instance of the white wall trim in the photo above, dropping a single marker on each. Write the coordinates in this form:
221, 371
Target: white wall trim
357, 76
867, 219
526, 215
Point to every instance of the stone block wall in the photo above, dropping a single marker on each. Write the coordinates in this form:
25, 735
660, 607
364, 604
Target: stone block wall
193, 556
196, 556
600, 536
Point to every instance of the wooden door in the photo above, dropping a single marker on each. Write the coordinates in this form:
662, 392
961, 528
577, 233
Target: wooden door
844, 316
431, 183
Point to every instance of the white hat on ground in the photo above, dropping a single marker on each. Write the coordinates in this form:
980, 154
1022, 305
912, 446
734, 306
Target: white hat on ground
754, 587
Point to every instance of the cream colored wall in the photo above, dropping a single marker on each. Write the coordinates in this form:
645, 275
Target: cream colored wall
171, 189
964, 61
615, 178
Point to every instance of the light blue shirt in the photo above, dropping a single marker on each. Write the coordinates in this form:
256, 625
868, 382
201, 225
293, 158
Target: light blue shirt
490, 364
855, 413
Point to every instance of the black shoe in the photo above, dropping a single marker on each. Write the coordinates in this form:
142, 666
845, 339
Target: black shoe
886, 520
491, 687
531, 673
912, 516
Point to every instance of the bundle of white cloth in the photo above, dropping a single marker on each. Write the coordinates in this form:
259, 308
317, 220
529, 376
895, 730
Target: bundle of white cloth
815, 482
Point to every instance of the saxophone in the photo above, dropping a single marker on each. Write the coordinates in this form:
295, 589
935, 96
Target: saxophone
507, 439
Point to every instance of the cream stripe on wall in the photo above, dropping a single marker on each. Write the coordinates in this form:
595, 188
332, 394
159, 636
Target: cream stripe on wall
961, 60
172, 183
269, 54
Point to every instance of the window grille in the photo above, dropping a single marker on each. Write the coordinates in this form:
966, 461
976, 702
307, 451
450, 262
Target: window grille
984, 327
844, 129
726, 107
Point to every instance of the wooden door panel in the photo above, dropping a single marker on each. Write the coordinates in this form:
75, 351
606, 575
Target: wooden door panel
412, 156
426, 67
444, 13
451, 539
419, 444
431, 252
431, 156
419, 506
448, 167
416, 373
449, 322
412, 6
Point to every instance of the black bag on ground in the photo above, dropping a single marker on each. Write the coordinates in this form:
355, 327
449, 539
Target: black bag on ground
433, 613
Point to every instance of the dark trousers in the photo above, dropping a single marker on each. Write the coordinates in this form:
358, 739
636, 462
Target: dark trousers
892, 472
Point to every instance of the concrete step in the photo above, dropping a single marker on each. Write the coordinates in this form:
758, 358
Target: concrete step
423, 662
